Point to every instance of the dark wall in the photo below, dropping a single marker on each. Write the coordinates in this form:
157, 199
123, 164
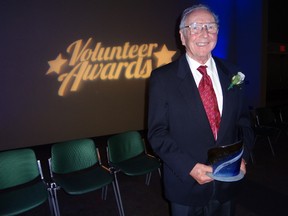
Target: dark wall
277, 54
55, 84
277, 22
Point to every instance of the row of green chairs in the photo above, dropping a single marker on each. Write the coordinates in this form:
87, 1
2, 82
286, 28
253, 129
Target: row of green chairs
76, 168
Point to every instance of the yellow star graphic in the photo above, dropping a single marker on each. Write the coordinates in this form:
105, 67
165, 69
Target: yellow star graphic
55, 65
164, 56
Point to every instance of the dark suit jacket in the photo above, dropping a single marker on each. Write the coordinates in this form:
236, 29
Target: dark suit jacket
180, 134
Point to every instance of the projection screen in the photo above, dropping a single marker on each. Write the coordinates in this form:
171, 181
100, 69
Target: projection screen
75, 69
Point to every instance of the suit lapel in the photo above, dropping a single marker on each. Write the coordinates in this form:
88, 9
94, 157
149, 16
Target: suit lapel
224, 77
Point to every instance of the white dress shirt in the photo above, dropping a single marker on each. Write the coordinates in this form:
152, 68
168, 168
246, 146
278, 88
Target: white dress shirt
212, 72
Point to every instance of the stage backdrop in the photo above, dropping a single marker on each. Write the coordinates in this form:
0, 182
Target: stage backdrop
75, 69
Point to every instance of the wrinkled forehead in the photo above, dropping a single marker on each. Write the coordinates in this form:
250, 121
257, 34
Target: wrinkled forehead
199, 16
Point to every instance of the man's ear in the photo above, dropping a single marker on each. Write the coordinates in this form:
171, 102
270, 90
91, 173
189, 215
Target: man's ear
182, 37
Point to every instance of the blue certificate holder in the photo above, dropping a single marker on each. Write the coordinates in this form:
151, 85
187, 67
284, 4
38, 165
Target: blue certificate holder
226, 162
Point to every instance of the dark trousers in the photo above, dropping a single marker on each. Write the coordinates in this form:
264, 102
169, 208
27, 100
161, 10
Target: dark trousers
213, 208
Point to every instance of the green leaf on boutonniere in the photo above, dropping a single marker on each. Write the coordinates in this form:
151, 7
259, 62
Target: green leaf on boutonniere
237, 79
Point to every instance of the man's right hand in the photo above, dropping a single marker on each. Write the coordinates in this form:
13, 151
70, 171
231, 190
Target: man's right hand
199, 173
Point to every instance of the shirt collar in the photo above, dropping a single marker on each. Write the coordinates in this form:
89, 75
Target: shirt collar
194, 64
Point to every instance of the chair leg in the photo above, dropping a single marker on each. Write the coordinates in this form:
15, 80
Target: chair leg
53, 190
148, 178
271, 146
118, 195
277, 136
104, 192
51, 200
159, 171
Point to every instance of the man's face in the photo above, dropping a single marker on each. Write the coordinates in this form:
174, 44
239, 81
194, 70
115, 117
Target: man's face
199, 46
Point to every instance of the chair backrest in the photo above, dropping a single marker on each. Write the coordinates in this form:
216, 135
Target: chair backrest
265, 116
124, 146
17, 167
74, 155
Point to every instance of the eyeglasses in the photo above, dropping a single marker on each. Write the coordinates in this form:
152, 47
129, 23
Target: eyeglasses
196, 28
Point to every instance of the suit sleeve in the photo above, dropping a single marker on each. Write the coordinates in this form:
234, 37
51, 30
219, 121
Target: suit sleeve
246, 128
179, 162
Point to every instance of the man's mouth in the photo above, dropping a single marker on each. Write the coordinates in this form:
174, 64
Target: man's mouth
201, 44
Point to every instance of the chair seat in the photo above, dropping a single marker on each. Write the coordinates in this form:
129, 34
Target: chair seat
138, 165
23, 199
84, 181
265, 130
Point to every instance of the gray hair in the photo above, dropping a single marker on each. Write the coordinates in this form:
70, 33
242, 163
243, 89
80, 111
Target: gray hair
189, 10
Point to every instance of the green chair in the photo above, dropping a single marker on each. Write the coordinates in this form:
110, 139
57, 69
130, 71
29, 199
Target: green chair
126, 153
75, 166
22, 187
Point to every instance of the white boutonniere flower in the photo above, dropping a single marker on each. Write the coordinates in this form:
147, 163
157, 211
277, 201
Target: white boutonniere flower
237, 79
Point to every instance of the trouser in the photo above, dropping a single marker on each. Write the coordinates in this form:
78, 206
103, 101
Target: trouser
213, 208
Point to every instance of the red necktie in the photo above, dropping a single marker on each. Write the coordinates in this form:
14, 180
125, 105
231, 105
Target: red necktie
209, 100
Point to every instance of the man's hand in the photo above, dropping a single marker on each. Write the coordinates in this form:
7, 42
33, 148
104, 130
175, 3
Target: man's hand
199, 173
243, 166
